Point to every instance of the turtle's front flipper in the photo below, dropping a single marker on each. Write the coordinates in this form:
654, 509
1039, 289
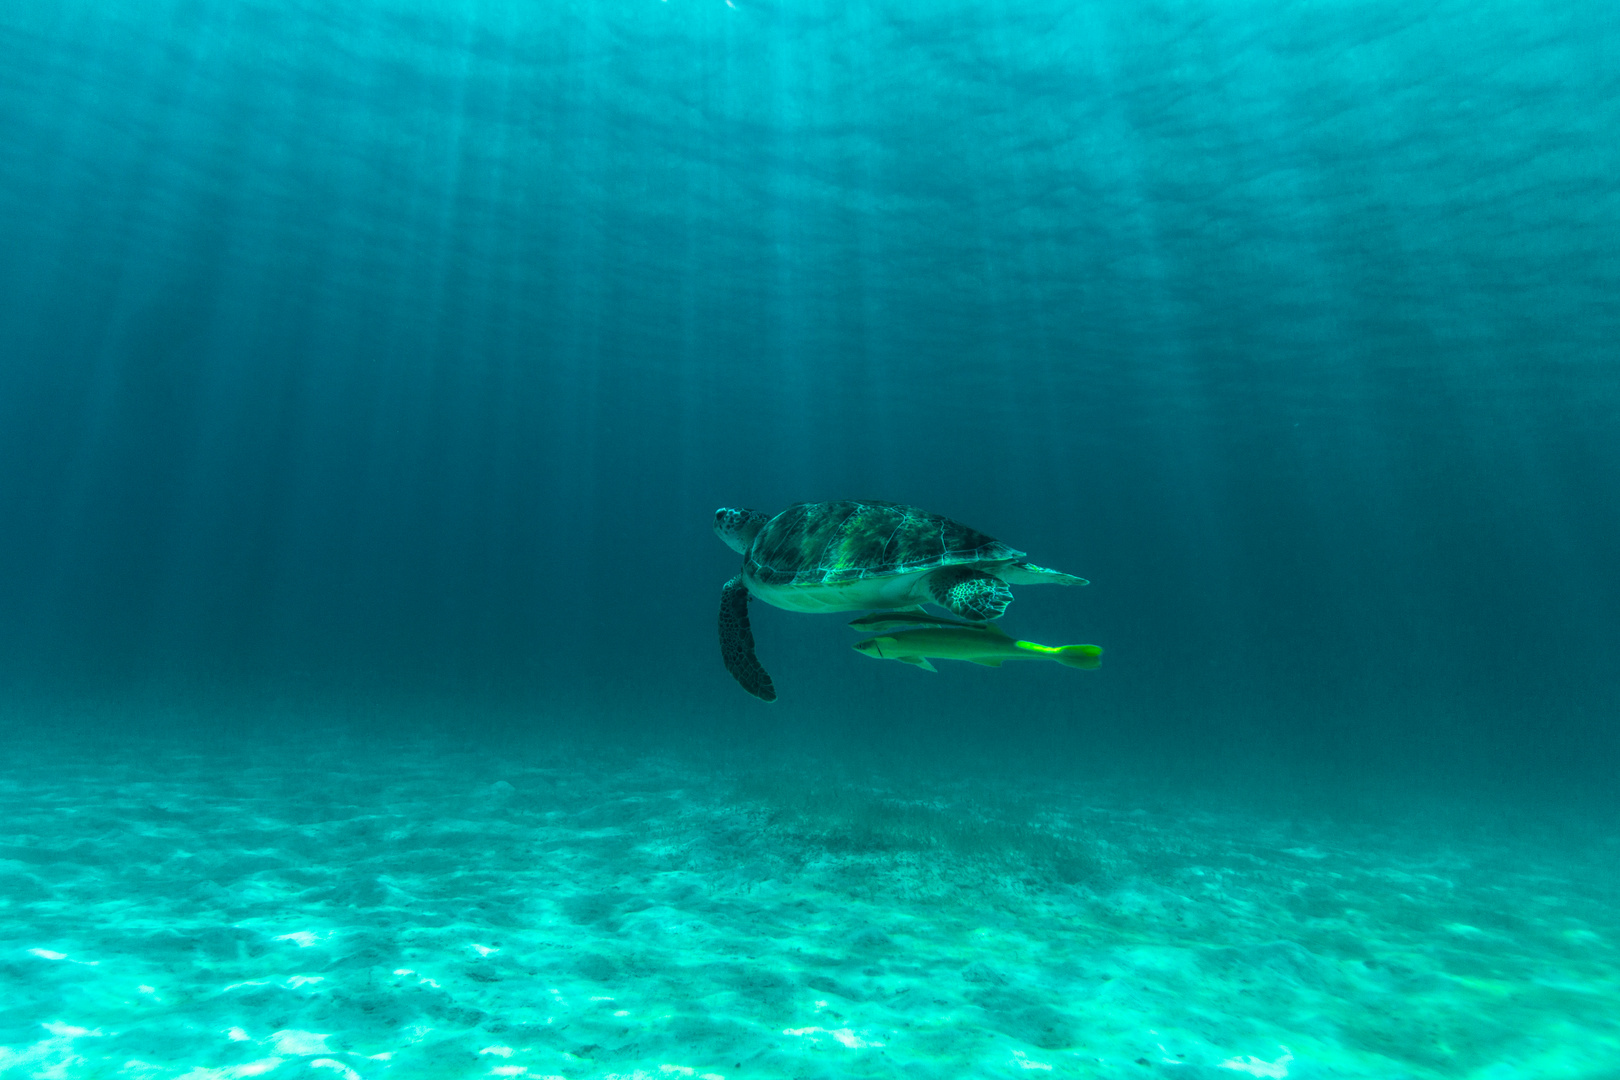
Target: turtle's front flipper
737, 641
969, 593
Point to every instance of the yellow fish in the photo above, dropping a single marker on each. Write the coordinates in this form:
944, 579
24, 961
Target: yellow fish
988, 646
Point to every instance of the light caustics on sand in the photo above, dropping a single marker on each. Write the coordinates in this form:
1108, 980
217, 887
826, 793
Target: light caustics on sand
640, 921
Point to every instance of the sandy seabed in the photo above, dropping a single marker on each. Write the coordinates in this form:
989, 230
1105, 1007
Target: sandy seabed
434, 912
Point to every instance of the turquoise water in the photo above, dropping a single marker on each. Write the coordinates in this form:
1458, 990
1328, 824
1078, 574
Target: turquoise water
414, 908
371, 372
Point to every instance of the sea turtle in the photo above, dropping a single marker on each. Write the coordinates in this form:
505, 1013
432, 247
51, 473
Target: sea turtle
854, 556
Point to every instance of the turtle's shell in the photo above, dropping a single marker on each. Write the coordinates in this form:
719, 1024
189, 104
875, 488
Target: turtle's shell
829, 542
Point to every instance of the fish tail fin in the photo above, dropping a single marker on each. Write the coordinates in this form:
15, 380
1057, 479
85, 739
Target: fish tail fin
1084, 657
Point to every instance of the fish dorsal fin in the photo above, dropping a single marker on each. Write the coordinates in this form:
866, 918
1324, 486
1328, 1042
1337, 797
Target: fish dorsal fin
992, 628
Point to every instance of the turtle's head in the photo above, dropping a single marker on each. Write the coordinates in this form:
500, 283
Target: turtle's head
738, 527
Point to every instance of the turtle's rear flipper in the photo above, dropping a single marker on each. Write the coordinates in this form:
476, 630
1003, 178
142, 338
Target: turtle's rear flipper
969, 593
737, 641
1028, 573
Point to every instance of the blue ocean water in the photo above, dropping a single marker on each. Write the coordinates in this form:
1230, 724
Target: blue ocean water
370, 375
